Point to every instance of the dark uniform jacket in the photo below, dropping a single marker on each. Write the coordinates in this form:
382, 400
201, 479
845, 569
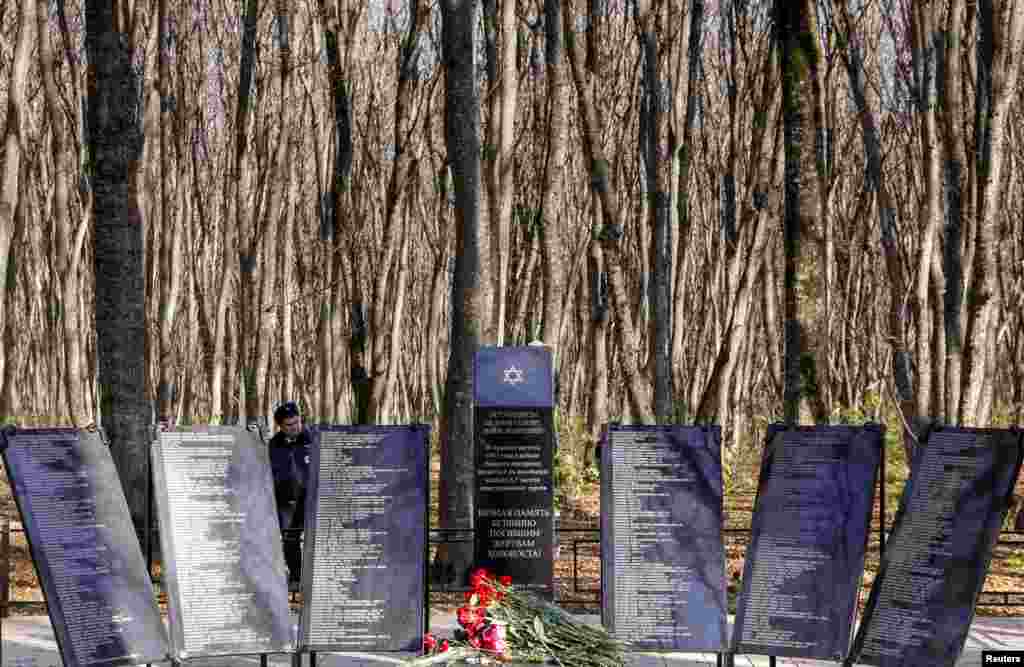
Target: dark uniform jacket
289, 463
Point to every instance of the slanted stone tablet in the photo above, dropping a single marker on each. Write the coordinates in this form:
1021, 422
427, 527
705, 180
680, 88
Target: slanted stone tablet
808, 541
663, 561
223, 564
953, 505
366, 539
87, 555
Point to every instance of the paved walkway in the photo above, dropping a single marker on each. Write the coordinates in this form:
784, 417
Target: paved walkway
28, 642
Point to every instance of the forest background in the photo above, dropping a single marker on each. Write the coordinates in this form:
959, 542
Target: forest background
712, 211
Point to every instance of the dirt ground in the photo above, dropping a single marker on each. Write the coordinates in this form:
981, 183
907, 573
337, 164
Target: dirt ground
1006, 572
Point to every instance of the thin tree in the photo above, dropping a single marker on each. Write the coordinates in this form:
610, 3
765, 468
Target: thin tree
797, 34
14, 147
554, 179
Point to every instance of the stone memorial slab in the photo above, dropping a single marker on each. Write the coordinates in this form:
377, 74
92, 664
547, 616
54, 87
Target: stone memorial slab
808, 541
223, 564
84, 547
367, 511
663, 560
515, 444
922, 601
515, 496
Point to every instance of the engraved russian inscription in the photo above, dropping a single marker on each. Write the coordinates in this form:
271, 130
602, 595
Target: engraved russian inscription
226, 572
808, 541
366, 532
922, 601
662, 541
515, 495
87, 554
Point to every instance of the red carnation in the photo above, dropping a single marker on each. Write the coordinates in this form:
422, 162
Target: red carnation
493, 639
470, 618
479, 578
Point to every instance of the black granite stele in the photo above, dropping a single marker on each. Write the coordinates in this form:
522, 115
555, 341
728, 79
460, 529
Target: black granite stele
223, 565
514, 445
366, 539
84, 547
922, 601
808, 541
662, 556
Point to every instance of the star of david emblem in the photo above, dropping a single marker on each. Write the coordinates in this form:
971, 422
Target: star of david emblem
513, 375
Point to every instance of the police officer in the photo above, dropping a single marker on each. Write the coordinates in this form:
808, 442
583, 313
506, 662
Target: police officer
289, 461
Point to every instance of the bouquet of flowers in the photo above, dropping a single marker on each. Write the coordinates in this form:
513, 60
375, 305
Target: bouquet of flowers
499, 624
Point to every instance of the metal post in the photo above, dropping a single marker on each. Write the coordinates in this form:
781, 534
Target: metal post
149, 509
881, 506
5, 564
263, 660
312, 659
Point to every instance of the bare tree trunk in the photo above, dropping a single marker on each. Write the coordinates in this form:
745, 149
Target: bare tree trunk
598, 335
504, 167
396, 337
266, 324
14, 146
877, 186
115, 140
610, 234
462, 132
801, 94
68, 241
954, 160
1000, 42
657, 157
554, 180
248, 243
286, 294
336, 199
684, 127
407, 121
12, 401
924, 39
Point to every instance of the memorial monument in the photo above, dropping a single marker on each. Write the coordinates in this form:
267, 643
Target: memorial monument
364, 561
808, 541
83, 543
922, 601
662, 557
223, 565
515, 443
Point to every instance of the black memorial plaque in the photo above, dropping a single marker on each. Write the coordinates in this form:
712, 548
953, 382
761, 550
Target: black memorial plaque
515, 495
515, 445
922, 601
808, 541
223, 563
366, 539
663, 560
84, 546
